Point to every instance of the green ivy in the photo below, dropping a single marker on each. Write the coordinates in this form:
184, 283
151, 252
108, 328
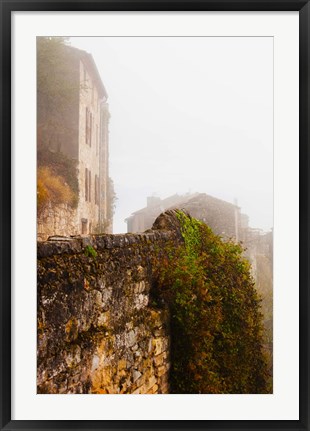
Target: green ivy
216, 325
90, 251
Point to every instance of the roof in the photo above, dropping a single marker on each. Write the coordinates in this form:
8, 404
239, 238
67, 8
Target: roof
202, 198
181, 200
192, 203
164, 204
89, 62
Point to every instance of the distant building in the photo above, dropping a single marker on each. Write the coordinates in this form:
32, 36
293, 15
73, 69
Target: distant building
224, 218
258, 243
82, 137
144, 218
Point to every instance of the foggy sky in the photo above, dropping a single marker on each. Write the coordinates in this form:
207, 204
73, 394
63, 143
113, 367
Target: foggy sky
189, 114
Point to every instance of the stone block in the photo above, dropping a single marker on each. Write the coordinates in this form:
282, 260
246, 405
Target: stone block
77, 389
74, 380
73, 356
96, 380
141, 301
163, 380
122, 364
141, 380
159, 359
153, 390
138, 354
95, 363
131, 339
159, 332
150, 345
161, 370
103, 319
158, 345
147, 363
106, 376
164, 388
135, 375
71, 329
149, 383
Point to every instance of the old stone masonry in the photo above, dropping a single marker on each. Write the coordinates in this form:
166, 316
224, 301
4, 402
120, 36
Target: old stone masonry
97, 330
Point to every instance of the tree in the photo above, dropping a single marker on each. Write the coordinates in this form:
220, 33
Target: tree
111, 200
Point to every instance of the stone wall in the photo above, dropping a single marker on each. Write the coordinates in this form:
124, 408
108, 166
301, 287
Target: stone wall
56, 219
97, 329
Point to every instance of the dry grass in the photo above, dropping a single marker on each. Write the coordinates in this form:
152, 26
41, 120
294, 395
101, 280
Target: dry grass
52, 188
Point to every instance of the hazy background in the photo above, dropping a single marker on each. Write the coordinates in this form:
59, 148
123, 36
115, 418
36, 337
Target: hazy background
189, 115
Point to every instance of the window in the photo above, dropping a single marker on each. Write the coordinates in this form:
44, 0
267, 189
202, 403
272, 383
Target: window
96, 189
86, 184
89, 186
88, 127
97, 140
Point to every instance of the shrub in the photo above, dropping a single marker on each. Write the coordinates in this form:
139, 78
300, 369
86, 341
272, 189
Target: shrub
216, 329
52, 188
60, 165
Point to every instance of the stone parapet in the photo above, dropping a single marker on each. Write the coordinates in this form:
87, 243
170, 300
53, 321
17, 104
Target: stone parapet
98, 331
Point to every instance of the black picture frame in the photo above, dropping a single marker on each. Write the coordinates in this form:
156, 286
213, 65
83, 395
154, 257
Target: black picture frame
7, 7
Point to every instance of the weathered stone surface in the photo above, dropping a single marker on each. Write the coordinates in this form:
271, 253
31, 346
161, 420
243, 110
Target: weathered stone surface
159, 359
97, 332
56, 218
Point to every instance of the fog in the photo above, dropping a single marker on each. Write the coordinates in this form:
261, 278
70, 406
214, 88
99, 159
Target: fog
189, 114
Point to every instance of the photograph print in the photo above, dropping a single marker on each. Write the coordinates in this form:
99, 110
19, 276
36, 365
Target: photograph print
154, 215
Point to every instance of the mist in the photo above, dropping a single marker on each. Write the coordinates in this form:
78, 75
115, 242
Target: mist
189, 114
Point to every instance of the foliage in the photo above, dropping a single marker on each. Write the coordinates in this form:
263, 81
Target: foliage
62, 166
52, 188
264, 287
215, 315
111, 199
90, 251
56, 91
105, 224
56, 95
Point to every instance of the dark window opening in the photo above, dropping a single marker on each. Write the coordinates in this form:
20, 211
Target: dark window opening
89, 186
86, 184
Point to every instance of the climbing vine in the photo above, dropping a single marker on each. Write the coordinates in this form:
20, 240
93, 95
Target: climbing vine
216, 328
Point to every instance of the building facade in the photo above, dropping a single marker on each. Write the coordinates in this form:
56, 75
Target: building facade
223, 217
80, 134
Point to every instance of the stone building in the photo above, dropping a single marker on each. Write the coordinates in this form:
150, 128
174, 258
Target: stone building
144, 218
81, 135
223, 217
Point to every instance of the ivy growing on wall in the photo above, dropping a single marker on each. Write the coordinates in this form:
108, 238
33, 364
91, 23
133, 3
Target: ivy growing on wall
56, 97
216, 324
